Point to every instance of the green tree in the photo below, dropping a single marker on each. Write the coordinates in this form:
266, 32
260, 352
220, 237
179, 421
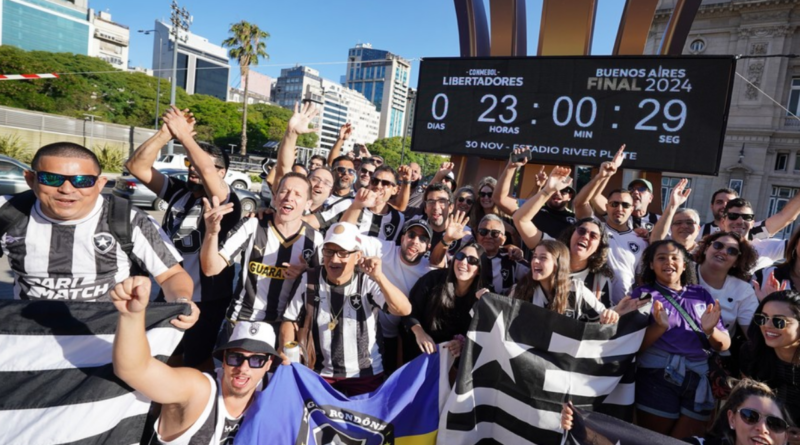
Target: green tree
246, 46
390, 149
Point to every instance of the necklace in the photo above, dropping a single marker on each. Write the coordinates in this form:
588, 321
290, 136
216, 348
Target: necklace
334, 318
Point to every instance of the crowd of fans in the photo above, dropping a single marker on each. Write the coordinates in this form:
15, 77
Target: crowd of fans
363, 267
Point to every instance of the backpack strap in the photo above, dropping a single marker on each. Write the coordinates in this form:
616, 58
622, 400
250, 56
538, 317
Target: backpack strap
305, 335
119, 222
15, 210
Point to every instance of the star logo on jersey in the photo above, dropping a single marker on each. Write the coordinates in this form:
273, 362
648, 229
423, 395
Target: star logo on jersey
648, 226
504, 274
308, 255
571, 220
388, 230
355, 301
634, 247
104, 242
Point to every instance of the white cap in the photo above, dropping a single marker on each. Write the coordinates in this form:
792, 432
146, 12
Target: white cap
253, 336
345, 235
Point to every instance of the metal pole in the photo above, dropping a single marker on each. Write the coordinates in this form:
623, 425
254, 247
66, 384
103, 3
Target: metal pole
403, 151
158, 89
180, 22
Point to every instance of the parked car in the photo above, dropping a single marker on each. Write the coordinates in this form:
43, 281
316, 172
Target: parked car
236, 179
11, 179
129, 187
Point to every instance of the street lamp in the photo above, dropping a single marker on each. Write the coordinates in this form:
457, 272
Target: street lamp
158, 89
180, 20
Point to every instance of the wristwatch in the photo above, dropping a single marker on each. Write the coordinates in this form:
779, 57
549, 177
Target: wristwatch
403, 182
445, 244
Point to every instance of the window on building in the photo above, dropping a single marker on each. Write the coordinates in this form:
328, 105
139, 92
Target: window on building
781, 161
668, 183
797, 162
777, 201
697, 45
794, 97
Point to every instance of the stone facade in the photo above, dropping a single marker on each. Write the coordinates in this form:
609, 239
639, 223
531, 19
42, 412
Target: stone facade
761, 152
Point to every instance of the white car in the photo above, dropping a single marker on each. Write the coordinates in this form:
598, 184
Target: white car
236, 179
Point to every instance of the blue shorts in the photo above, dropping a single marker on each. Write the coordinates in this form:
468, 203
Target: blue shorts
656, 395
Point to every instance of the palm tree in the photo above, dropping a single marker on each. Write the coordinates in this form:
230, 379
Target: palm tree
246, 46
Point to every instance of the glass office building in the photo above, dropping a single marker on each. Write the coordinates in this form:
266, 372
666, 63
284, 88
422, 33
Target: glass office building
45, 25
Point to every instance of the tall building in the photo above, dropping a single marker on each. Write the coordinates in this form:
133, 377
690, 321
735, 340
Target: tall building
411, 106
761, 154
382, 77
46, 25
340, 105
259, 89
203, 68
110, 40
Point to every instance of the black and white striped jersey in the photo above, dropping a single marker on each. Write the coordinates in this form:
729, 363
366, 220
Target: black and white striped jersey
353, 347
332, 210
80, 260
262, 291
215, 426
648, 221
385, 227
437, 236
599, 284
184, 224
500, 272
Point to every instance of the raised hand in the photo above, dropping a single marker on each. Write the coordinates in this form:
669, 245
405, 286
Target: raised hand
404, 173
771, 285
559, 179
180, 123
679, 194
660, 316
609, 168
299, 122
345, 131
455, 226
446, 167
132, 295
371, 266
364, 199
541, 177
213, 213
519, 164
711, 317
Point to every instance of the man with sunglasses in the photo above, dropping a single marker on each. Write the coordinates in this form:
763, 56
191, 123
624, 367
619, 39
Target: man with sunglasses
207, 166
503, 265
63, 247
341, 198
739, 218
371, 211
196, 407
344, 318
552, 218
365, 173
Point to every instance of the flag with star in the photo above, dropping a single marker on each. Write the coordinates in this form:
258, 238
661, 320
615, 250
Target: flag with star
589, 428
521, 362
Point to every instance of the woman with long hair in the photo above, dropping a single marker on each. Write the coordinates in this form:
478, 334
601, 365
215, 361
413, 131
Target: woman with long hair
772, 353
549, 285
673, 394
441, 302
587, 239
486, 206
466, 200
724, 260
752, 414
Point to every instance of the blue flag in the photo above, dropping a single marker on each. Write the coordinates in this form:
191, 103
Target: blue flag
299, 407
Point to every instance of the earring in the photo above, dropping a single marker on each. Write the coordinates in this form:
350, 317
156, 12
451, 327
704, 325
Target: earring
731, 426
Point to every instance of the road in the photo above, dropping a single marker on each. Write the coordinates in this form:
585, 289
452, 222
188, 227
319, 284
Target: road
7, 280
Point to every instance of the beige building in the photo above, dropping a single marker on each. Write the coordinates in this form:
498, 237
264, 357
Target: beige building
109, 40
761, 155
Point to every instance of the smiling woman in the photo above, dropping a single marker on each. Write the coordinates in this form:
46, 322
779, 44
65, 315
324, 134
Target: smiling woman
772, 354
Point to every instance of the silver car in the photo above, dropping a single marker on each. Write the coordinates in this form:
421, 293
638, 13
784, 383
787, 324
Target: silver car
11, 179
129, 187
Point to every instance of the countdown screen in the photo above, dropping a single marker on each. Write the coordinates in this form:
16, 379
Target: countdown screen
670, 111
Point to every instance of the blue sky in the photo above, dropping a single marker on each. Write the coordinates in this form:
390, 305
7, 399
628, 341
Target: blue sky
318, 33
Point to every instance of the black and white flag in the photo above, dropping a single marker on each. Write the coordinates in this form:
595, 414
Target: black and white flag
521, 362
590, 428
57, 382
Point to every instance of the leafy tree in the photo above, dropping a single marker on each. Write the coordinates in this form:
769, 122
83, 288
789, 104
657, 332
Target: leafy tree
390, 149
246, 46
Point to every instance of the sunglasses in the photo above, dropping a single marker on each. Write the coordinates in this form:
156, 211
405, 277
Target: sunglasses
424, 239
583, 231
375, 182
485, 194
471, 260
615, 204
778, 322
495, 233
467, 200
236, 359
345, 171
328, 253
188, 164
752, 417
640, 189
56, 180
730, 250
745, 216
364, 171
